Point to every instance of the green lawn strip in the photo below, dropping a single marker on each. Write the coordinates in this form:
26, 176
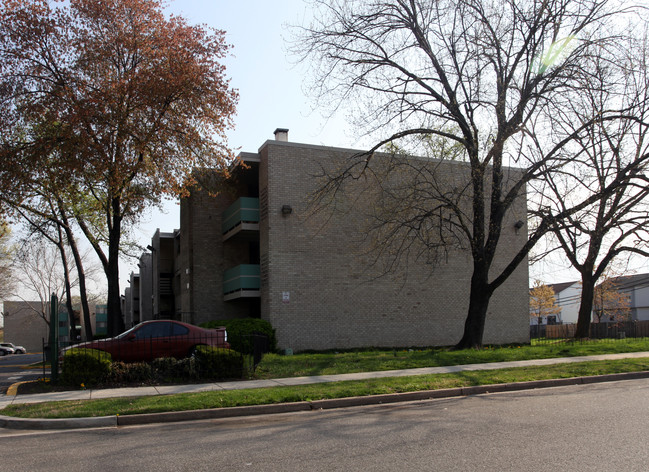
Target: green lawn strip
330, 363
223, 399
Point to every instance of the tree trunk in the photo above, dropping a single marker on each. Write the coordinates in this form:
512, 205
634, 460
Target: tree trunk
68, 288
477, 315
83, 293
585, 306
114, 306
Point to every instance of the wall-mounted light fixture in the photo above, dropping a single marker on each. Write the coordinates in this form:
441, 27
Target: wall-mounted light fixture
518, 225
150, 248
287, 210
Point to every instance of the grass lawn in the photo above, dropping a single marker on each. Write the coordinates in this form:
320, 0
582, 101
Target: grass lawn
223, 399
275, 366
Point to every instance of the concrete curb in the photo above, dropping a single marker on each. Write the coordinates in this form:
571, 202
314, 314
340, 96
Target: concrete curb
241, 411
12, 390
58, 423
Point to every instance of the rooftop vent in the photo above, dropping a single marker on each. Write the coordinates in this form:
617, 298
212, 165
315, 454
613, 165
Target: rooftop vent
281, 134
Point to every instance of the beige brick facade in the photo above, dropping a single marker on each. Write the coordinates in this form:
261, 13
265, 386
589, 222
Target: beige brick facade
323, 290
324, 277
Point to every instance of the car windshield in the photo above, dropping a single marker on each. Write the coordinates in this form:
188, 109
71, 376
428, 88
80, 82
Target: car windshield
125, 333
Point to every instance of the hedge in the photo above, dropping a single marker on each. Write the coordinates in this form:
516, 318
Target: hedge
85, 367
240, 331
217, 363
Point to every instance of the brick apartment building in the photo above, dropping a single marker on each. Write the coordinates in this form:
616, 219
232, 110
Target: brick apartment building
263, 248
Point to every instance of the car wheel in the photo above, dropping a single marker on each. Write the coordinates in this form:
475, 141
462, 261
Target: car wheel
3, 353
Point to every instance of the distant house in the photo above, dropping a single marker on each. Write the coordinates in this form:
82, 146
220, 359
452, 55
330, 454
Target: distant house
637, 288
567, 295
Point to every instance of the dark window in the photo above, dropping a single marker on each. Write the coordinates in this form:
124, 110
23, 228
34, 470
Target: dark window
153, 330
178, 330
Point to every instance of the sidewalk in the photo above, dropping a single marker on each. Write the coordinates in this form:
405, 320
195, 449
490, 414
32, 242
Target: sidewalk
292, 381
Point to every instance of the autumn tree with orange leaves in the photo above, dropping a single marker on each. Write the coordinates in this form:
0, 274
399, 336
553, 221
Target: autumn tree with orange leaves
114, 103
610, 303
543, 302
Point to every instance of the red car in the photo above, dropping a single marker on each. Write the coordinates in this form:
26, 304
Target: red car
159, 338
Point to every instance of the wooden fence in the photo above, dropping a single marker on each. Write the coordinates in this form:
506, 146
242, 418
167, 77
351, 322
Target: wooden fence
617, 330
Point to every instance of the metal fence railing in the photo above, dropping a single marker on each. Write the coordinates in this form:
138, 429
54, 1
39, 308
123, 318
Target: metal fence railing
251, 346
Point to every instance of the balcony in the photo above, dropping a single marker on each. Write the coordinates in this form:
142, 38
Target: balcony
242, 281
241, 218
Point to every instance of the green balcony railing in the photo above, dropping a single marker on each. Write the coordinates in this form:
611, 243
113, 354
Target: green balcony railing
241, 277
244, 210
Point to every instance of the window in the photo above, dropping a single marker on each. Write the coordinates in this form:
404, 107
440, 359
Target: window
179, 330
153, 330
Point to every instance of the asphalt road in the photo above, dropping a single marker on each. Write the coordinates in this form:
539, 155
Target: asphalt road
597, 427
13, 369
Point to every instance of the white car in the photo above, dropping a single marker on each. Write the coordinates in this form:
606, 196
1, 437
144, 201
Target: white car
5, 350
15, 349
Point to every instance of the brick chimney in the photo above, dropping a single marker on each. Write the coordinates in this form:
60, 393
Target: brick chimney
281, 134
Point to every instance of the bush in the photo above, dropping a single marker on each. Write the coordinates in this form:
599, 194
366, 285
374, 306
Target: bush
240, 331
168, 369
216, 363
85, 367
137, 372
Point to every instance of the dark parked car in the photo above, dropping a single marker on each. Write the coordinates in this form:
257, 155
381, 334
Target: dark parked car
17, 349
159, 338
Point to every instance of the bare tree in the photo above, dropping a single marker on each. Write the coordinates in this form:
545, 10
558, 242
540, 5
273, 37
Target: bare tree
487, 76
41, 271
616, 224
40, 206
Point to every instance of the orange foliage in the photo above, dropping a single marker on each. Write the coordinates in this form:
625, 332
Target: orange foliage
114, 91
542, 301
113, 104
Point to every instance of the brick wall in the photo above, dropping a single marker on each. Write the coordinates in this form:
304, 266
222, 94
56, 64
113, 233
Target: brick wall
328, 281
326, 287
24, 326
205, 256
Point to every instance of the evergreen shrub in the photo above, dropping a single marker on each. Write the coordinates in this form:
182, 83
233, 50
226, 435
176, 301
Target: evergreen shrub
85, 367
240, 331
217, 363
